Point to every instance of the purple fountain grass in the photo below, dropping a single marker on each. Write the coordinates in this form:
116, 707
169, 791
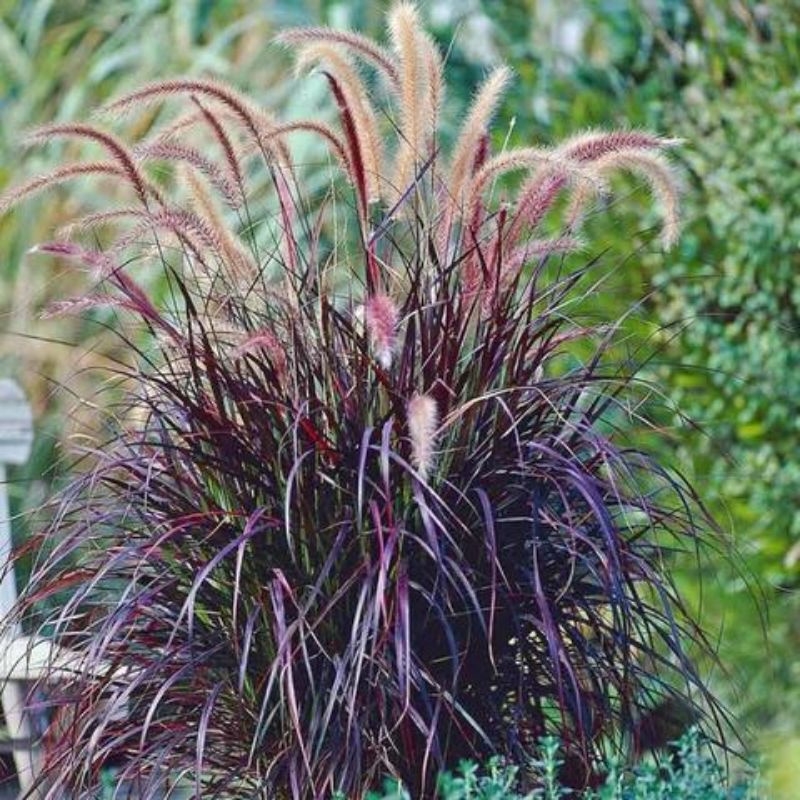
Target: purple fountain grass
366, 513
119, 153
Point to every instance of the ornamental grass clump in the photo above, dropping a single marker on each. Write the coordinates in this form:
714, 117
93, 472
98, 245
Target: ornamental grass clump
365, 511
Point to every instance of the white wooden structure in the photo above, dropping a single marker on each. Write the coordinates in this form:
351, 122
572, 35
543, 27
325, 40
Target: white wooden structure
16, 437
25, 660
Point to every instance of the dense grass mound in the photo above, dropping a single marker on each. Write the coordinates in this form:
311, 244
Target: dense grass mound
365, 511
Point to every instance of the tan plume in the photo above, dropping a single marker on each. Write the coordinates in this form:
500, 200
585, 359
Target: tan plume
233, 255
96, 219
475, 126
517, 159
50, 180
655, 169
409, 43
434, 97
540, 191
423, 422
356, 42
358, 100
182, 153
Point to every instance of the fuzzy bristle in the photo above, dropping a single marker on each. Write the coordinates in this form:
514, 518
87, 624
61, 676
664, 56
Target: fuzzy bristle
407, 38
217, 128
423, 422
359, 44
179, 152
654, 169
366, 125
263, 340
592, 145
229, 248
434, 98
381, 317
50, 180
79, 305
113, 146
480, 114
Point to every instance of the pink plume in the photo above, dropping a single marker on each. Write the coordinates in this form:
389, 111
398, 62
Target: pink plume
596, 144
77, 305
382, 316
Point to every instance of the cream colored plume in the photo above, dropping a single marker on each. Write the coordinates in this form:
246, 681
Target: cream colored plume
236, 259
475, 126
434, 97
412, 48
381, 317
656, 170
423, 422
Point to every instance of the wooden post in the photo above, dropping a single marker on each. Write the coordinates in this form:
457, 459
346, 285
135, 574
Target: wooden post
16, 436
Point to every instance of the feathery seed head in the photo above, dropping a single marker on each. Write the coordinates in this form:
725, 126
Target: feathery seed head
412, 50
381, 317
476, 125
78, 305
423, 422
367, 136
264, 340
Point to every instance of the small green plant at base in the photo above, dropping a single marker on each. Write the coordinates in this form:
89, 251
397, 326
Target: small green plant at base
691, 773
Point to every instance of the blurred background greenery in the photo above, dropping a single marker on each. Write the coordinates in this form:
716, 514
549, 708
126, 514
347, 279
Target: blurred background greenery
721, 313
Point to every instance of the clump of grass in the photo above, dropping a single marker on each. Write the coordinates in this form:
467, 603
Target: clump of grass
365, 513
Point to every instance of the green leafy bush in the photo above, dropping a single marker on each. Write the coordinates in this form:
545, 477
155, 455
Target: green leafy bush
733, 294
734, 288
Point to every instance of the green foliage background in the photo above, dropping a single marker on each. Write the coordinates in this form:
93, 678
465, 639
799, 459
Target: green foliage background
722, 313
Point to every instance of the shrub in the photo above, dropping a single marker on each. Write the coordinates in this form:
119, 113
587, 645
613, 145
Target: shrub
369, 509
732, 286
